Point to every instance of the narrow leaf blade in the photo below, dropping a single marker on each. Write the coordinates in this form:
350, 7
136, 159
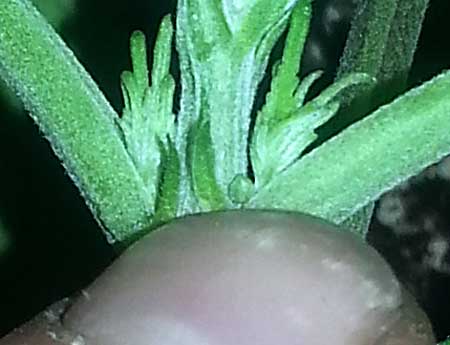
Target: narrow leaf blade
375, 154
202, 168
166, 204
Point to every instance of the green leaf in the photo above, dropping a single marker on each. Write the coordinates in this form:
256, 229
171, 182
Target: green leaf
285, 81
138, 49
284, 127
334, 90
279, 138
162, 52
359, 222
255, 19
74, 116
355, 167
275, 149
189, 107
381, 43
303, 87
280, 101
169, 187
202, 169
147, 118
204, 27
445, 342
223, 56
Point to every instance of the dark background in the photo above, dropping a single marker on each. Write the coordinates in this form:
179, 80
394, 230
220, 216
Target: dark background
57, 246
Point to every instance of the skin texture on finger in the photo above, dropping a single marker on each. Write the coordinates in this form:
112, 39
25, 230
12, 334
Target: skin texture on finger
246, 278
33, 333
45, 329
412, 328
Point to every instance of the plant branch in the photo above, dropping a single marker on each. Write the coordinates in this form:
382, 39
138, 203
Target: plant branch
224, 50
381, 43
355, 167
74, 116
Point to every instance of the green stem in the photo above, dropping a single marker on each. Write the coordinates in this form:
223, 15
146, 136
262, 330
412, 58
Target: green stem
355, 167
73, 115
381, 43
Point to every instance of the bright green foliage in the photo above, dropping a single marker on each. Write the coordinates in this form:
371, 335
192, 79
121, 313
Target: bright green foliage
281, 102
169, 185
223, 48
359, 164
445, 342
201, 167
74, 116
284, 78
285, 126
382, 43
147, 121
145, 167
283, 130
359, 222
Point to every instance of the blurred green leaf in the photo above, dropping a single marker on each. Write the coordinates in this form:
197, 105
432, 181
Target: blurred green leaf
56, 11
381, 43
